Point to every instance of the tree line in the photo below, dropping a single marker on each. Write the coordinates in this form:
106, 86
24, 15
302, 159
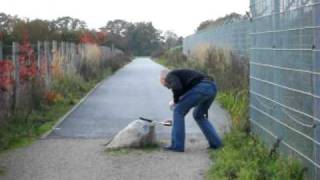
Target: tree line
140, 38
229, 18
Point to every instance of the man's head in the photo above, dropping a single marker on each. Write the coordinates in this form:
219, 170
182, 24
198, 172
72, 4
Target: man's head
163, 75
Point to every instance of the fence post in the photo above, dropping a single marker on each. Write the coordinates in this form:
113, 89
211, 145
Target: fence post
73, 51
39, 57
16, 63
48, 63
1, 51
112, 50
316, 86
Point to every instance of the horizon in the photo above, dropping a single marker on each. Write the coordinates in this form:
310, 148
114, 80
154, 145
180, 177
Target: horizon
175, 18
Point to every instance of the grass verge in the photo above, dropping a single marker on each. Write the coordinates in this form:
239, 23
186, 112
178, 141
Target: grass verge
244, 156
22, 131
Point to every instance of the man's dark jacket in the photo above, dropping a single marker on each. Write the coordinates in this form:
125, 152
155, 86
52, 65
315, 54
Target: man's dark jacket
182, 80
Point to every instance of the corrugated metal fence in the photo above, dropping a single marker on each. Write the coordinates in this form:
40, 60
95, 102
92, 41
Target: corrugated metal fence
284, 77
283, 40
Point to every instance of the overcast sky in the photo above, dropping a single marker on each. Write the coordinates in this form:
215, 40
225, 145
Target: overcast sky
180, 16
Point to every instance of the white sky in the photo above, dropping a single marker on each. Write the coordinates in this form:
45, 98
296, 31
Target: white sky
180, 16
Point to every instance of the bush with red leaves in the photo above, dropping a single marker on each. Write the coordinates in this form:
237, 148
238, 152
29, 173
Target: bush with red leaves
88, 38
27, 61
6, 80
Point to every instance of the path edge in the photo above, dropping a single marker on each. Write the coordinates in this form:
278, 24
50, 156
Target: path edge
68, 113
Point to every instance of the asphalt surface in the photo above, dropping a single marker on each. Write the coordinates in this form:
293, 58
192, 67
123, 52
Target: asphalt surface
132, 92
75, 151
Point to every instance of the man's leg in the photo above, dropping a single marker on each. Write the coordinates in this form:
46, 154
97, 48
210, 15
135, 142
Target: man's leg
208, 130
190, 100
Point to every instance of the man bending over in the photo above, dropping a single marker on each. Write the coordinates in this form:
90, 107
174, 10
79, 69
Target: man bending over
190, 89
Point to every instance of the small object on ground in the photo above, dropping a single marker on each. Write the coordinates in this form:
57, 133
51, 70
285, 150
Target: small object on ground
137, 134
165, 123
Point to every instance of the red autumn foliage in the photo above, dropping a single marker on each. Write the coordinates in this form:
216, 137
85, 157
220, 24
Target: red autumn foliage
88, 38
27, 60
52, 97
101, 37
6, 80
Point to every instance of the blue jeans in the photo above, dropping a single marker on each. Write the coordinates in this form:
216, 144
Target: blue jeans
201, 97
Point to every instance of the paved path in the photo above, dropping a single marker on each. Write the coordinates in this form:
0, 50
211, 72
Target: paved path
74, 150
132, 92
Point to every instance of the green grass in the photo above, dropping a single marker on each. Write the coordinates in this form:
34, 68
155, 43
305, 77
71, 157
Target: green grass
21, 131
244, 156
126, 151
237, 103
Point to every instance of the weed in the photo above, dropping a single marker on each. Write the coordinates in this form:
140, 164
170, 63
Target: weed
245, 157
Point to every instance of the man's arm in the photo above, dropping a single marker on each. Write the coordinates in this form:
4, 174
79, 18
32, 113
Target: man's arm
174, 83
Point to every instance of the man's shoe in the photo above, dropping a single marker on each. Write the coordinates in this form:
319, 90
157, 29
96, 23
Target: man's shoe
214, 148
169, 148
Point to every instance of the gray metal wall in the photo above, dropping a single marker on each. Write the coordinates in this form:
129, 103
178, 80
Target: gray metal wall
284, 77
283, 41
232, 35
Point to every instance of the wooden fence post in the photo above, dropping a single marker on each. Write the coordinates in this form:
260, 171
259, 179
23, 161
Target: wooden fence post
16, 63
112, 50
73, 51
39, 57
1, 51
48, 68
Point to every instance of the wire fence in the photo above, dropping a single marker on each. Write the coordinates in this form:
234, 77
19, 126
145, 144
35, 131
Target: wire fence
283, 43
28, 68
284, 77
232, 36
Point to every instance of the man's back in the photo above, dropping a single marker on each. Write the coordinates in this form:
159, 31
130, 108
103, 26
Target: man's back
182, 80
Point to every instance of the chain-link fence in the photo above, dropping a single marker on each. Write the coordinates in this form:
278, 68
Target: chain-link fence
285, 77
283, 40
232, 36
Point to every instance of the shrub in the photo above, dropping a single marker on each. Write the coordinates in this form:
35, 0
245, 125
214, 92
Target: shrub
228, 69
91, 63
237, 103
118, 61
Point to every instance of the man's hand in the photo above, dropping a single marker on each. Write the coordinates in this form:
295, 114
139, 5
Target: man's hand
167, 123
171, 104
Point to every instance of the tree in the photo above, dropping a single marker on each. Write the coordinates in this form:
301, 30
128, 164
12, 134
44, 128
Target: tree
171, 40
117, 27
67, 23
7, 22
117, 33
143, 38
67, 28
38, 30
220, 21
